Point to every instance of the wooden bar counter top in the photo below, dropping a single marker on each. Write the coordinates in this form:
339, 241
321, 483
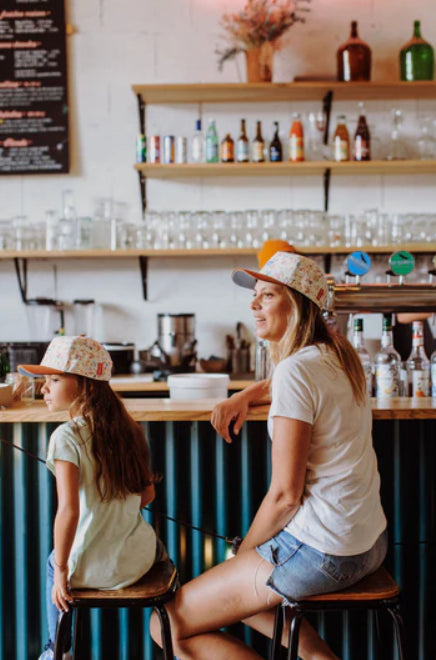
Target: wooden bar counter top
170, 410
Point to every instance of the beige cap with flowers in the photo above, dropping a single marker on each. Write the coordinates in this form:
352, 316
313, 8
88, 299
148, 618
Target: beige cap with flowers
79, 355
293, 270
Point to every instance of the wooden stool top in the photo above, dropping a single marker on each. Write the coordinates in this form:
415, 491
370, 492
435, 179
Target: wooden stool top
377, 586
157, 582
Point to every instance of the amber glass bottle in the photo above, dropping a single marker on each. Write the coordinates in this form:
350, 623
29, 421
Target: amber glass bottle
362, 138
243, 145
341, 140
354, 58
275, 148
227, 149
258, 145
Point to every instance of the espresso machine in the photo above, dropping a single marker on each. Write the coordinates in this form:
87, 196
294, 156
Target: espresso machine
174, 350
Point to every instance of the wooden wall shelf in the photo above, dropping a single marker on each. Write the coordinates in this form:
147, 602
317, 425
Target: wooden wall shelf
273, 92
200, 170
232, 252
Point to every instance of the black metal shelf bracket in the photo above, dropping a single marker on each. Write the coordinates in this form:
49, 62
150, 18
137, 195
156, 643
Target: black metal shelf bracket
141, 110
327, 110
327, 177
21, 271
143, 191
143, 265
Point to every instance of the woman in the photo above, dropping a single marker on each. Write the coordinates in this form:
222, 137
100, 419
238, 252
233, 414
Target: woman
321, 526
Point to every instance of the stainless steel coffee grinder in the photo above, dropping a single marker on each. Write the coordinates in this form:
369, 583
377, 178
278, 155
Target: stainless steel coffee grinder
174, 350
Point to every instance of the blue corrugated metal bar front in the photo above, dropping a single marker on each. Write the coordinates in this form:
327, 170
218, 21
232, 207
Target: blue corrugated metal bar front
216, 487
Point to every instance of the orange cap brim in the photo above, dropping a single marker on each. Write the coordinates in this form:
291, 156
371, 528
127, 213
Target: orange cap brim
37, 370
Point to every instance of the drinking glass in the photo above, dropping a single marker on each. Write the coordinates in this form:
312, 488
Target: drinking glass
396, 145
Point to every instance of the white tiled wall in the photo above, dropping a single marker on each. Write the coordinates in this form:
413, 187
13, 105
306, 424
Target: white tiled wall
156, 41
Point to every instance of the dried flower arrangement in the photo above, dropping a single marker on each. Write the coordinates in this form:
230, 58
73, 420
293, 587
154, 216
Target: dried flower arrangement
258, 22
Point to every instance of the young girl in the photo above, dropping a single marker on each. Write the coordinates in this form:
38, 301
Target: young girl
101, 462
320, 526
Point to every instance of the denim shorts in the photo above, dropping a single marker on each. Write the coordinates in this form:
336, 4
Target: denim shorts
300, 570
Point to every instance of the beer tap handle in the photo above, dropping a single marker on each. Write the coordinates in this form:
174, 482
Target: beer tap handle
358, 264
402, 263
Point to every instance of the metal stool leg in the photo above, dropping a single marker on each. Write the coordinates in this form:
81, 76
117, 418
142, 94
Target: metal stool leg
167, 644
394, 611
294, 629
78, 633
277, 633
63, 632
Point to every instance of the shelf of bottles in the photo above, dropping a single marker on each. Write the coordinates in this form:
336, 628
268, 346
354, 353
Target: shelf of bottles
416, 248
199, 170
292, 91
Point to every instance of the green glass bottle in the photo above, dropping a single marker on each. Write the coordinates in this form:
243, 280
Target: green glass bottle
417, 57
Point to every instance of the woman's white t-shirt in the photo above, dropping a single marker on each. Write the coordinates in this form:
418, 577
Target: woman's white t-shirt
340, 512
114, 546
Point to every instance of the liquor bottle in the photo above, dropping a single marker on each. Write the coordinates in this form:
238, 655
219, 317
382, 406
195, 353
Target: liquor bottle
228, 149
197, 144
362, 138
296, 140
275, 148
354, 58
258, 145
417, 57
418, 364
387, 364
341, 140
365, 358
243, 145
433, 373
212, 146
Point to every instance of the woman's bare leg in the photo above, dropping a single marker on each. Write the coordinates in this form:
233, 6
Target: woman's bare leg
230, 592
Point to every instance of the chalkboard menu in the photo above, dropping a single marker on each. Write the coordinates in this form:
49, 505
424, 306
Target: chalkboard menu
33, 87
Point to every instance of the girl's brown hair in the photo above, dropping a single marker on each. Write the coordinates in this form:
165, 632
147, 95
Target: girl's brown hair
306, 327
119, 446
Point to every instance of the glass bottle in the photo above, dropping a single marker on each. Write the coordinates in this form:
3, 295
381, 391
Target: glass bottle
227, 149
212, 146
296, 140
387, 364
354, 58
417, 57
258, 145
418, 364
362, 138
341, 140
433, 373
197, 144
275, 147
364, 356
243, 145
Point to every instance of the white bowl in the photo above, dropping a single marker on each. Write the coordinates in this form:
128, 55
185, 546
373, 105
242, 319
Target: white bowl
198, 386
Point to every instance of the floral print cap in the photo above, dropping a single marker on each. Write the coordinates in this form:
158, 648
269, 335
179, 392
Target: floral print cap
79, 355
293, 270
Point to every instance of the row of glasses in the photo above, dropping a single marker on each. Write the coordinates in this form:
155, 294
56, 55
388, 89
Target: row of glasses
172, 230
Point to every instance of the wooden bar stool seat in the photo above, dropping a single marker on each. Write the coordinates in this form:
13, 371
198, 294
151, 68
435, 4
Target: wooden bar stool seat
377, 591
154, 589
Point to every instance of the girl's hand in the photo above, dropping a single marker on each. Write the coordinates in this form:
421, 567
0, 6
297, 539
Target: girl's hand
59, 595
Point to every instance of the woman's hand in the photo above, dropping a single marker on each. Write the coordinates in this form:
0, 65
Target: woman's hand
235, 409
59, 595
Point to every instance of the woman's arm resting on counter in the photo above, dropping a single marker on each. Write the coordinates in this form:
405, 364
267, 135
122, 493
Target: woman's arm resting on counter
235, 408
290, 450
